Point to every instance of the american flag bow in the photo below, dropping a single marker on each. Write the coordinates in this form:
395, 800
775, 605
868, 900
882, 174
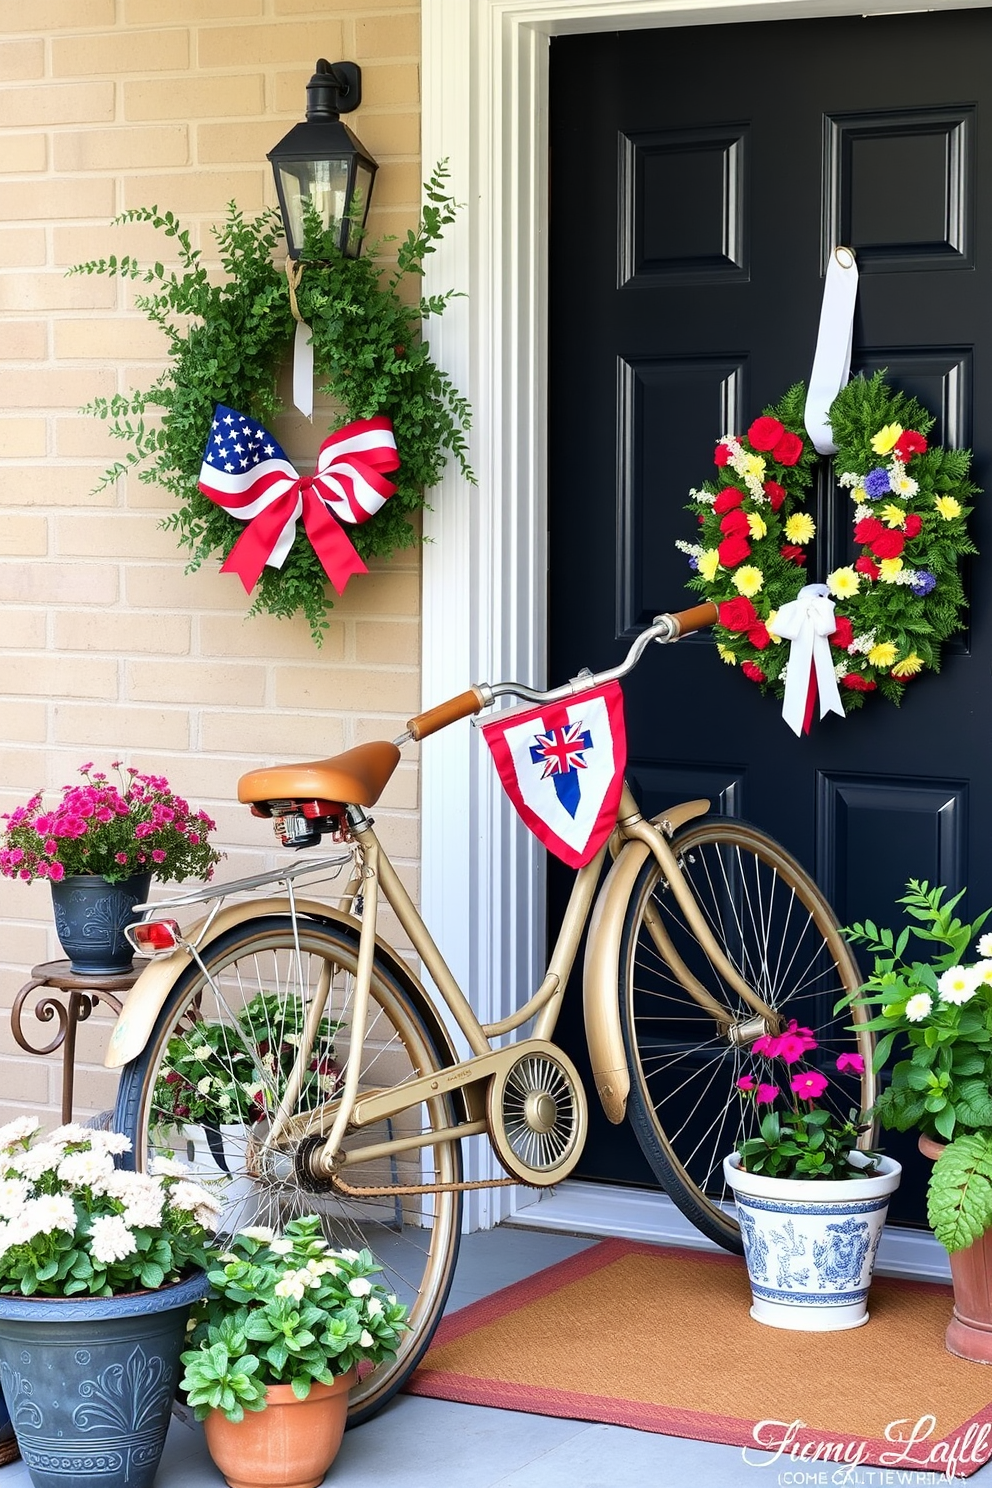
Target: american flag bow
562, 767
246, 472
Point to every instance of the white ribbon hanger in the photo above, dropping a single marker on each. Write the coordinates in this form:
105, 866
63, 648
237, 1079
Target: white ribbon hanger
807, 621
832, 358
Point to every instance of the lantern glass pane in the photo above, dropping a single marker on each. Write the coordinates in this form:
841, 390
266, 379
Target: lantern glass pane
324, 183
360, 206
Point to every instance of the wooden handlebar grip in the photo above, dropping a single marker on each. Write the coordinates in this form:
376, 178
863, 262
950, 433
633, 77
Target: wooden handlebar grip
461, 706
700, 617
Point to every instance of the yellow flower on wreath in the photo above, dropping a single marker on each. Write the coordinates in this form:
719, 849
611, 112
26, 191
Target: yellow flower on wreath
757, 526
843, 582
893, 516
800, 528
770, 627
888, 568
886, 438
948, 506
748, 580
708, 563
883, 654
909, 666
754, 465
725, 654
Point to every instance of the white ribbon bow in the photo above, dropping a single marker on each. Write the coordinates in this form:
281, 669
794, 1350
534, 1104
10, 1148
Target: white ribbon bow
807, 621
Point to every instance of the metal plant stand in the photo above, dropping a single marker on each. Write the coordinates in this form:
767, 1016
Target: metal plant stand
81, 995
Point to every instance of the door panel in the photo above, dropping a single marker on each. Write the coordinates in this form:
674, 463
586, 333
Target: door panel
726, 162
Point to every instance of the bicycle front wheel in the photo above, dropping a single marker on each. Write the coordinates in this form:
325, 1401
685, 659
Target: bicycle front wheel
779, 933
218, 1064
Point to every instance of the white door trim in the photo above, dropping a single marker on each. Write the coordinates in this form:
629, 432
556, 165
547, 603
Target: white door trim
485, 94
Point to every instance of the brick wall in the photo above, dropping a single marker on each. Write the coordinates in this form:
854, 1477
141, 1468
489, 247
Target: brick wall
107, 648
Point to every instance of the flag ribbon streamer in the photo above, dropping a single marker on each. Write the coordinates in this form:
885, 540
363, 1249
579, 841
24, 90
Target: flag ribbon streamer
347, 485
807, 622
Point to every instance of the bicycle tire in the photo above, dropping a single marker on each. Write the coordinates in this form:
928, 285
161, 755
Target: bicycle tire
415, 1238
780, 934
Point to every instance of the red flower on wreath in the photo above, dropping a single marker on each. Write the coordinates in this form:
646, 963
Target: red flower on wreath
888, 544
721, 455
738, 614
866, 566
728, 498
913, 525
857, 683
843, 635
759, 637
735, 523
775, 494
733, 550
765, 433
908, 444
788, 449
752, 671
793, 553
867, 530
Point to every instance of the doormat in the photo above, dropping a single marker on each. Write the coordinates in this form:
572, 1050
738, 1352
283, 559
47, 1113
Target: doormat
661, 1339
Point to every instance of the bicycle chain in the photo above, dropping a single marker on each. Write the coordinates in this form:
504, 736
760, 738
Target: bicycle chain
353, 1191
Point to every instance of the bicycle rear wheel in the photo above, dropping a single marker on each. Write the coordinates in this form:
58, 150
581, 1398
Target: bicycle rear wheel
778, 931
217, 1065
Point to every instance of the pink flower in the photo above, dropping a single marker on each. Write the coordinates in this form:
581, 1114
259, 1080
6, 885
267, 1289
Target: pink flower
158, 856
51, 847
809, 1085
194, 837
143, 829
765, 1095
746, 1082
104, 814
766, 1045
853, 1062
120, 857
794, 1043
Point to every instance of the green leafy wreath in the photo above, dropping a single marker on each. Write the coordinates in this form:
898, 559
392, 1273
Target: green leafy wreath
897, 600
226, 344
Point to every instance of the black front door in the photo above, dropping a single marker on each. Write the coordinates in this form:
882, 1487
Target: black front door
700, 177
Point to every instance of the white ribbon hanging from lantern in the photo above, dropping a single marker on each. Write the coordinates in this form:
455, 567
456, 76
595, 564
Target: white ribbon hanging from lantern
808, 621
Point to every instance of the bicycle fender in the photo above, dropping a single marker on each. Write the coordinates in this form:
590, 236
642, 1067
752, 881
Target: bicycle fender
147, 997
601, 969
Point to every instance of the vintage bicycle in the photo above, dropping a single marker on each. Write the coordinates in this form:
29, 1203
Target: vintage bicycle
303, 1065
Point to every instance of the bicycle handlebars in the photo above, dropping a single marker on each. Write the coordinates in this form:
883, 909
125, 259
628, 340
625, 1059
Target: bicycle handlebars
664, 628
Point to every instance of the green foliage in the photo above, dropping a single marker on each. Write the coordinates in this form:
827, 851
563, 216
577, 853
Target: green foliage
804, 1144
889, 630
226, 343
285, 1310
218, 1073
937, 1015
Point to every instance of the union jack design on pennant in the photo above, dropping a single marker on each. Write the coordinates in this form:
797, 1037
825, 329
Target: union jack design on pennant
562, 767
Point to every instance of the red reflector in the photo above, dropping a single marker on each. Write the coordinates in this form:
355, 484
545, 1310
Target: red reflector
156, 935
314, 809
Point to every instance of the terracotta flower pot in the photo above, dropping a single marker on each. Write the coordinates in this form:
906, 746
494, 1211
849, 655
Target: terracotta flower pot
969, 1333
290, 1444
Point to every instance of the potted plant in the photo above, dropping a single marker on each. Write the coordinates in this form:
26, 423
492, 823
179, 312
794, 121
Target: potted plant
937, 1015
213, 1092
811, 1205
98, 1270
100, 847
282, 1334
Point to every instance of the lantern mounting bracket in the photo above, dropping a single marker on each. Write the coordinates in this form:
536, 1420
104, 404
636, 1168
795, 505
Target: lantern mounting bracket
334, 89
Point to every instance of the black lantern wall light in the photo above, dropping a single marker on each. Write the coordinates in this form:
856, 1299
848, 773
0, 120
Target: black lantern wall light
323, 164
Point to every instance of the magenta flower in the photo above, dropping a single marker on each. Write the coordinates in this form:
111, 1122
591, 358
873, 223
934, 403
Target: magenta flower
120, 857
158, 856
853, 1062
143, 829
809, 1084
746, 1082
765, 1095
766, 1045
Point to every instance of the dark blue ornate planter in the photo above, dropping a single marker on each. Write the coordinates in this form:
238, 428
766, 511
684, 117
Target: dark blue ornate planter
91, 916
89, 1382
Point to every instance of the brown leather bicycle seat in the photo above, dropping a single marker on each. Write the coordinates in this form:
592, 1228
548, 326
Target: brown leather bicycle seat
356, 778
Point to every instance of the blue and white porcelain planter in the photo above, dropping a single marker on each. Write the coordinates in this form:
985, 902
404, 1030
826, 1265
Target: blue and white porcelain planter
810, 1245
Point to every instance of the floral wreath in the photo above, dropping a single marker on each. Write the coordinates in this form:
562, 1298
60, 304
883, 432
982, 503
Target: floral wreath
897, 600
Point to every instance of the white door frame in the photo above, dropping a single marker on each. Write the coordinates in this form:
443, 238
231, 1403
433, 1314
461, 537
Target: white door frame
485, 95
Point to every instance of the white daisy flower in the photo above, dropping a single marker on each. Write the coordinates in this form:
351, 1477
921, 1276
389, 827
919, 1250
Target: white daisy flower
359, 1286
37, 1160
17, 1130
280, 1245
168, 1167
985, 945
918, 1007
957, 985
261, 1233
86, 1170
14, 1194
